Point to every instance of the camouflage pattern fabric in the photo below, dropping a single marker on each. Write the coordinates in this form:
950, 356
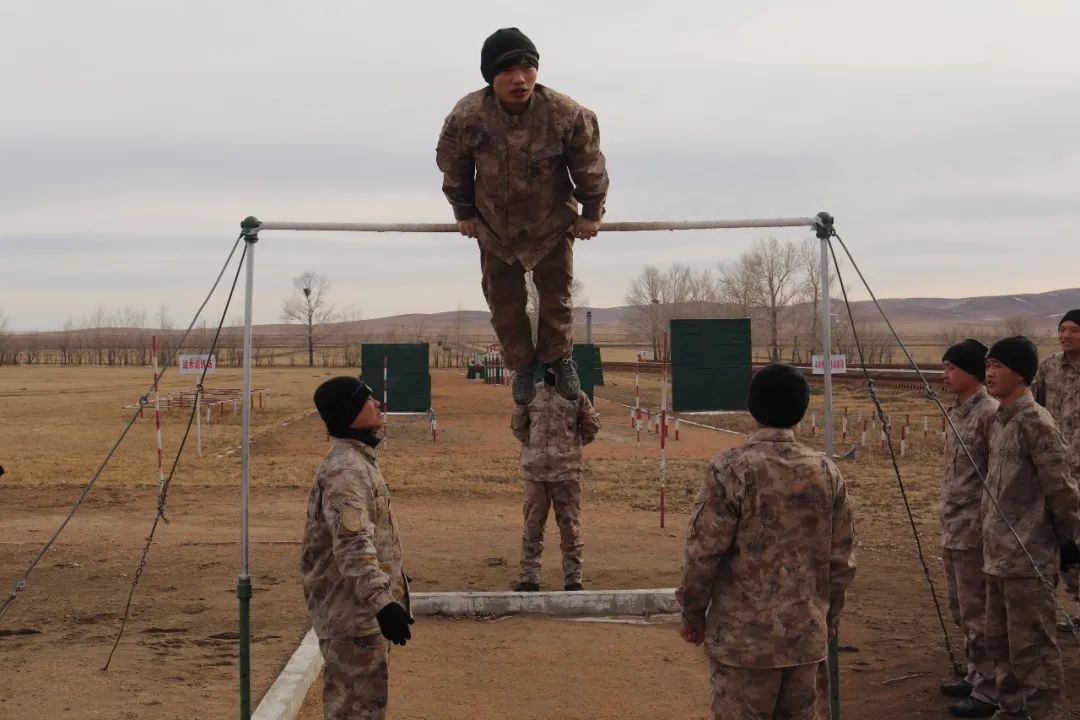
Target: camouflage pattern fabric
504, 289
522, 176
356, 677
768, 554
967, 605
1029, 477
800, 692
565, 498
1020, 637
962, 489
552, 431
1057, 388
351, 553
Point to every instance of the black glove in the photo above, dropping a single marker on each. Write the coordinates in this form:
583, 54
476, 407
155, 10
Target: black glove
1070, 555
394, 621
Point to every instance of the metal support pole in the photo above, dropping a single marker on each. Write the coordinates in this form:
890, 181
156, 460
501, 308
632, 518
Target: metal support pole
588, 326
824, 227
243, 584
826, 346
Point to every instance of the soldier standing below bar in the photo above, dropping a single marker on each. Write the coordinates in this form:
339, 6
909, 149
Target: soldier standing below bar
356, 591
964, 370
768, 561
517, 158
1057, 388
1030, 481
552, 431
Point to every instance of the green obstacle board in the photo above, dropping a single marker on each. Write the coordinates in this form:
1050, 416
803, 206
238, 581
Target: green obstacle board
589, 370
587, 357
710, 364
407, 365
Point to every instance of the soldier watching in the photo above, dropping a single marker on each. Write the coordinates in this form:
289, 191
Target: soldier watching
356, 591
1057, 388
964, 369
768, 561
1030, 492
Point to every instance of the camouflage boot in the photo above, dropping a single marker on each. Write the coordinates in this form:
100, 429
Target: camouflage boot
523, 386
566, 378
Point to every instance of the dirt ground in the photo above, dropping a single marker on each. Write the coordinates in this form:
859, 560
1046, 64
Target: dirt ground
458, 503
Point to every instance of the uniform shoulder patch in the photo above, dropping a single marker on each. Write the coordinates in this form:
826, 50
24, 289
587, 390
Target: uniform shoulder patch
351, 519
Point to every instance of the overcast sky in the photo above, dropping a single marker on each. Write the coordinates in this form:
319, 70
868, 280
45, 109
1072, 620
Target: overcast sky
134, 136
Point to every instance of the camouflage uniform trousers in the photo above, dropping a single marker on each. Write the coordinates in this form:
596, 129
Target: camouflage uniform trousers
504, 289
967, 604
356, 677
800, 692
565, 497
1020, 637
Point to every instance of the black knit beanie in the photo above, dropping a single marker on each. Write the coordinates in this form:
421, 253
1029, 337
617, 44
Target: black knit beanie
1018, 354
779, 396
339, 400
968, 355
1071, 316
506, 47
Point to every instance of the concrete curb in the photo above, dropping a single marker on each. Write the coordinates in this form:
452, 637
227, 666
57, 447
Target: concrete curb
584, 603
286, 696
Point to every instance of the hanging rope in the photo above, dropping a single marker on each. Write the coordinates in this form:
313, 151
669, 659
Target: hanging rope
23, 581
1050, 587
164, 491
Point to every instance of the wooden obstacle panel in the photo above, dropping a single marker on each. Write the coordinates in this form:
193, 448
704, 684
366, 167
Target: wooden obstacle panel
409, 374
710, 364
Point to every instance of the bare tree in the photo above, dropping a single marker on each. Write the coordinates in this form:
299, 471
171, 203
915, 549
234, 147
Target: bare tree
164, 317
310, 307
765, 278
3, 336
1018, 325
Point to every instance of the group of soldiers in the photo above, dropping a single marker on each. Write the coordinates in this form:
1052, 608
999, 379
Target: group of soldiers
1010, 518
769, 544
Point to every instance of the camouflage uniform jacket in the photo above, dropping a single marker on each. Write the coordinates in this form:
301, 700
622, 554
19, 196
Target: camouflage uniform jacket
961, 492
1057, 388
1029, 477
552, 431
769, 554
520, 174
351, 554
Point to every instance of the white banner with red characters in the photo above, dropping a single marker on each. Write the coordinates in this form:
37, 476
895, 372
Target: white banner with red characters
839, 364
195, 364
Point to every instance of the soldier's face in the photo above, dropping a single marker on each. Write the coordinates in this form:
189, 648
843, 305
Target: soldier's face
369, 417
957, 381
514, 85
1000, 380
1069, 336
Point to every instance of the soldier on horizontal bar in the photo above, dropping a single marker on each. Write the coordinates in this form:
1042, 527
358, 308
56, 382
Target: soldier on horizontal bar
517, 158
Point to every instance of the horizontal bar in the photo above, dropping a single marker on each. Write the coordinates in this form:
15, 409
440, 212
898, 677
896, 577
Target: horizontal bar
606, 227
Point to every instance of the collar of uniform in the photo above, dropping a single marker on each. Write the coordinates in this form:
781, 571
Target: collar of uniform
366, 450
1066, 363
962, 409
517, 118
1005, 414
771, 435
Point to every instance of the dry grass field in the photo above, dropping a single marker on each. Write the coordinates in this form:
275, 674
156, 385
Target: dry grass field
458, 502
